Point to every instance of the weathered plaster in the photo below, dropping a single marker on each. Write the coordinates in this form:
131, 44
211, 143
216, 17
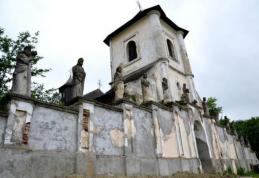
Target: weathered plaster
3, 121
106, 121
117, 137
20, 113
52, 130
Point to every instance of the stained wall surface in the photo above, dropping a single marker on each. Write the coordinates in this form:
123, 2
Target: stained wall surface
52, 130
2, 128
125, 139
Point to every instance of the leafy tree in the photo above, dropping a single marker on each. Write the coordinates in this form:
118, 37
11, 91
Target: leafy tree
249, 129
8, 51
46, 95
225, 122
213, 108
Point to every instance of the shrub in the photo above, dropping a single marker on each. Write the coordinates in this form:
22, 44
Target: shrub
240, 171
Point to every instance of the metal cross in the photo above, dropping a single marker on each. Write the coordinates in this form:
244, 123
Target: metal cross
139, 5
99, 84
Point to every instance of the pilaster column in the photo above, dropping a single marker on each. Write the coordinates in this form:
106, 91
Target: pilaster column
157, 33
186, 62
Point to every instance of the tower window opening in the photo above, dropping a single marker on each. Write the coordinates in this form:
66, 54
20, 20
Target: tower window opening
170, 47
132, 50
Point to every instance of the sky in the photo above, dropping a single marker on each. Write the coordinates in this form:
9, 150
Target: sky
222, 43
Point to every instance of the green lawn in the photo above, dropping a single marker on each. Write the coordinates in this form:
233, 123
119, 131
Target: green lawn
252, 174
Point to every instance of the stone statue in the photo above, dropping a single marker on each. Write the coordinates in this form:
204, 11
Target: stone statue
185, 96
78, 79
118, 84
194, 102
166, 93
205, 107
22, 72
146, 89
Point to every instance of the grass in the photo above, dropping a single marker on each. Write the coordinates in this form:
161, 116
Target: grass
251, 174
177, 175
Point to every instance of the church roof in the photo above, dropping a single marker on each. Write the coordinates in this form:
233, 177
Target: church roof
141, 14
67, 84
93, 94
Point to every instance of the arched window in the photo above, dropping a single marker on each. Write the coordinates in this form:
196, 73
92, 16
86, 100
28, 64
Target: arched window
170, 47
132, 50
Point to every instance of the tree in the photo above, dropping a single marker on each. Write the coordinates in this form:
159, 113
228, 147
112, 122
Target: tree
8, 52
46, 95
214, 110
249, 129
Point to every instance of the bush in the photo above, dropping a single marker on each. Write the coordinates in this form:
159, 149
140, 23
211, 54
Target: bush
240, 171
229, 170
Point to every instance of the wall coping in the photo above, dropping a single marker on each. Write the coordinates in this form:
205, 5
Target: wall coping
125, 101
97, 103
36, 102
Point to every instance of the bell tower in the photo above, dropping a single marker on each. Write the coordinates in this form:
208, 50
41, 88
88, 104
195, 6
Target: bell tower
151, 43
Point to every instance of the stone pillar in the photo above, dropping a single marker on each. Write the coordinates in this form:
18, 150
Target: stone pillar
85, 128
161, 72
187, 66
20, 113
129, 128
84, 135
158, 137
86, 158
157, 34
178, 135
186, 62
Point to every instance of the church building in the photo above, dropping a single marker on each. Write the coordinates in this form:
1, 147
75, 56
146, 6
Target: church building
151, 122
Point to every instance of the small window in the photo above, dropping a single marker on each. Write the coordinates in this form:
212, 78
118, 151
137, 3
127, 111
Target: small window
132, 50
170, 47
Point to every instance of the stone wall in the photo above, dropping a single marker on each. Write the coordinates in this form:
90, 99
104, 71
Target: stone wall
23, 163
3, 120
52, 130
125, 139
108, 138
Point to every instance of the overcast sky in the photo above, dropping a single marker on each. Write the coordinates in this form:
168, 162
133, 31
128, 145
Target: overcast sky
222, 44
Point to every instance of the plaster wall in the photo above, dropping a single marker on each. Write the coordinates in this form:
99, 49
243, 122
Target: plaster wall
231, 147
247, 153
108, 136
222, 142
175, 77
184, 132
122, 142
141, 33
27, 164
144, 139
134, 89
208, 127
167, 123
20, 112
151, 45
215, 142
53, 130
3, 121
239, 149
171, 34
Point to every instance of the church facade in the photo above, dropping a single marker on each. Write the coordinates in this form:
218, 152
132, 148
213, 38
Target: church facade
151, 122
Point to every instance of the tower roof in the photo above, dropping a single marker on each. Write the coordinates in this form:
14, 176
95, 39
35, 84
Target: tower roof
141, 14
